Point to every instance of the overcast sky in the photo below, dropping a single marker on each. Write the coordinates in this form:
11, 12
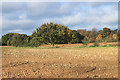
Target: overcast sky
25, 17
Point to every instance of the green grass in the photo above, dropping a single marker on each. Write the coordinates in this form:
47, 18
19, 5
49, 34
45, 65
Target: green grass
98, 47
63, 47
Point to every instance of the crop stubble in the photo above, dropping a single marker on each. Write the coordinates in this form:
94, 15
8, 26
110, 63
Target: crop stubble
60, 63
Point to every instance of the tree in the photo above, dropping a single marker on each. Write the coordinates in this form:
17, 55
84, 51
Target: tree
15, 39
96, 43
7, 37
56, 34
99, 38
35, 42
93, 34
85, 41
115, 37
105, 32
118, 35
0, 42
75, 37
8, 43
18, 40
82, 31
47, 33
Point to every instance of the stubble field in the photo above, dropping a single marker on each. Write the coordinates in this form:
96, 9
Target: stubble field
60, 63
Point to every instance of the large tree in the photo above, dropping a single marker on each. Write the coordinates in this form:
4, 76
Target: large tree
93, 34
105, 32
7, 37
56, 33
75, 37
19, 40
51, 33
15, 39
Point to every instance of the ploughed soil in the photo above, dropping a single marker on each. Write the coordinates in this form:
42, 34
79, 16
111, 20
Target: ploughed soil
60, 63
80, 44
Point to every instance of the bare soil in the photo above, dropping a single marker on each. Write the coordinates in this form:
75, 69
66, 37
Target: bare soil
60, 63
80, 44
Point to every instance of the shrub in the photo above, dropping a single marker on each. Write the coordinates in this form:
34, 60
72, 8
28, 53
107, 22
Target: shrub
105, 40
57, 47
8, 42
110, 44
35, 42
104, 46
96, 43
85, 41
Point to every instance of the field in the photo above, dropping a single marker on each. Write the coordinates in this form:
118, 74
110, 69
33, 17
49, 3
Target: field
93, 62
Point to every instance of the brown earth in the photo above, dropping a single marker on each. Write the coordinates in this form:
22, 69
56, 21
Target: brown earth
60, 63
80, 44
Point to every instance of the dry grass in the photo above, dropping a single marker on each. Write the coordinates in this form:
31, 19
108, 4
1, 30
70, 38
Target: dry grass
63, 63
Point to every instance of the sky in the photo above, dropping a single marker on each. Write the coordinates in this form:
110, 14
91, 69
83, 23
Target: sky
25, 17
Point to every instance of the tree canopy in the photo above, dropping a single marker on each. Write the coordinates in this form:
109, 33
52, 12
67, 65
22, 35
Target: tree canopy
15, 39
51, 33
56, 34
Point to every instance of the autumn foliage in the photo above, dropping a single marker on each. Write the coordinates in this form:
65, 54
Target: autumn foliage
51, 33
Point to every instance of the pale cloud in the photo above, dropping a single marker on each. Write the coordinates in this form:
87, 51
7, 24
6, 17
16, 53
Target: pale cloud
26, 17
104, 17
15, 23
15, 30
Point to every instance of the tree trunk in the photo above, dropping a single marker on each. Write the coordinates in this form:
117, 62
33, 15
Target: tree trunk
52, 44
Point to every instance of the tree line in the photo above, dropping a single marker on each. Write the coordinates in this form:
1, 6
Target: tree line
101, 36
52, 34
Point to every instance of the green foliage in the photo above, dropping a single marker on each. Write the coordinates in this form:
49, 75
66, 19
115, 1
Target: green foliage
7, 37
57, 34
105, 32
110, 44
51, 33
75, 37
96, 43
15, 39
35, 42
85, 41
19, 40
8, 42
104, 46
105, 40
57, 47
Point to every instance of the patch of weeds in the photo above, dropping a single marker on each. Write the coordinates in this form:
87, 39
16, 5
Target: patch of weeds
57, 47
54, 47
104, 46
110, 45
92, 46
